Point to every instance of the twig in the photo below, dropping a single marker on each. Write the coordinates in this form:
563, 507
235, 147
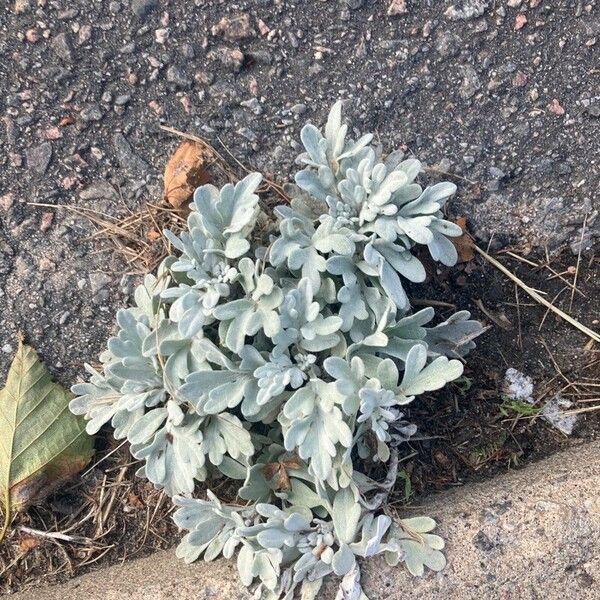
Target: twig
271, 185
520, 338
90, 214
106, 512
158, 229
577, 265
577, 411
520, 258
547, 310
502, 321
557, 368
55, 535
448, 174
88, 471
390, 480
536, 296
97, 558
544, 266
428, 302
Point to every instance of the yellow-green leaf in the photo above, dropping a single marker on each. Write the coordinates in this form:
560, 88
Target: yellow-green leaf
42, 443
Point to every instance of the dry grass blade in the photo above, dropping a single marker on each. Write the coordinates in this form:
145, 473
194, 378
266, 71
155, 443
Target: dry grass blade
269, 185
556, 297
429, 302
448, 174
108, 226
131, 235
547, 266
55, 535
538, 298
577, 411
578, 262
499, 318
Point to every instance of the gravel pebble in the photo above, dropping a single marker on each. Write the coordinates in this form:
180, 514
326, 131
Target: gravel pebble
38, 158
99, 281
126, 158
471, 82
177, 76
234, 28
467, 10
143, 8
233, 58
92, 112
62, 47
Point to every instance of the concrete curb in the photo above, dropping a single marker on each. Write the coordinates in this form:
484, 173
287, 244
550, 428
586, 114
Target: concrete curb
526, 535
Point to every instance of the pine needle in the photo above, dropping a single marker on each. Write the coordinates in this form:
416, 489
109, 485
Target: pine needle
538, 298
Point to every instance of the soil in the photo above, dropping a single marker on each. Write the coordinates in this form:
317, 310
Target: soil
508, 109
475, 432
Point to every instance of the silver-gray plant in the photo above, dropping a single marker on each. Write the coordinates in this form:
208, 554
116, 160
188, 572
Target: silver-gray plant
286, 367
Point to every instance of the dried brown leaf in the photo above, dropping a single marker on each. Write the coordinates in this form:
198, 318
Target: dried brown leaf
464, 243
28, 543
277, 472
185, 171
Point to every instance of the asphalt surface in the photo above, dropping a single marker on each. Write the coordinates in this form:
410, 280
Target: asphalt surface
504, 95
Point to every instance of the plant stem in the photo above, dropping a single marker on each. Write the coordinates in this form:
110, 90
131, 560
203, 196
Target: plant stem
388, 484
6, 515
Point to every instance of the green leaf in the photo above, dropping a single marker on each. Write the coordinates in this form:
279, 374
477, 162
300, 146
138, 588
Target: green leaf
345, 514
316, 426
419, 555
310, 589
343, 560
420, 548
420, 377
225, 434
42, 443
302, 495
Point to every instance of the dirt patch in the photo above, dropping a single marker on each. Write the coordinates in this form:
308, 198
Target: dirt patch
478, 432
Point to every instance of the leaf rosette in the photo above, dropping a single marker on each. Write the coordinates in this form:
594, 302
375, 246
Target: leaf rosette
290, 367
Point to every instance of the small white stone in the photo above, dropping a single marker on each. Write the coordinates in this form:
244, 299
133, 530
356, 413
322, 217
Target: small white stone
162, 35
554, 413
518, 386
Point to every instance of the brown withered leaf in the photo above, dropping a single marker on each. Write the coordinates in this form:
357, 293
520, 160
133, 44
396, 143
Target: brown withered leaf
277, 472
185, 171
464, 243
133, 500
28, 543
153, 235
